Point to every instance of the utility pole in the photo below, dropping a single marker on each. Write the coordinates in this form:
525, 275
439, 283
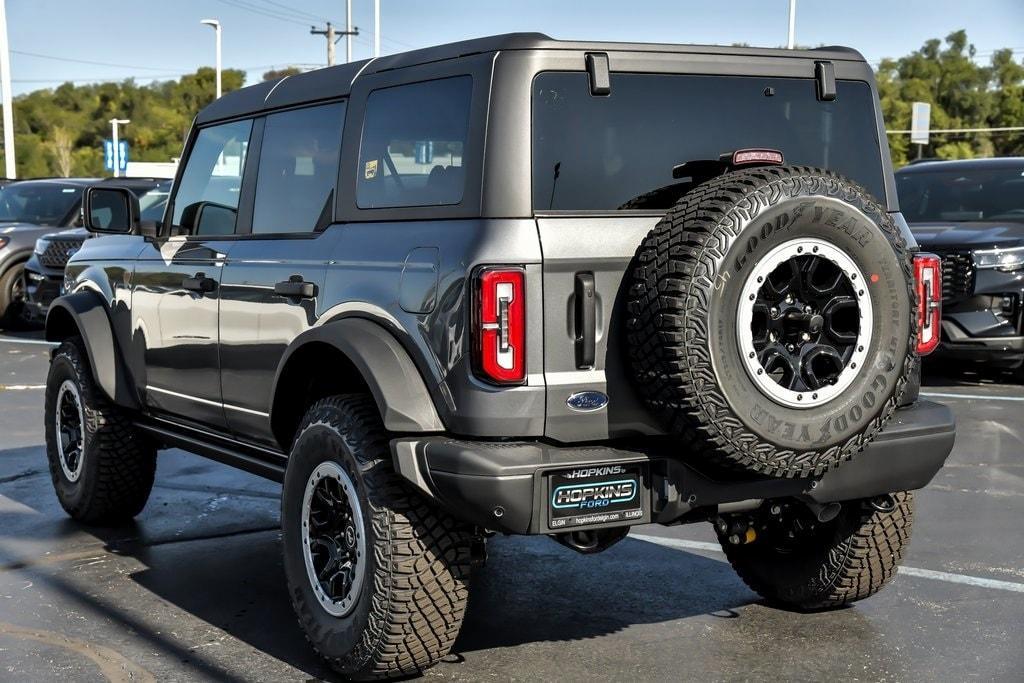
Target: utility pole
216, 27
792, 25
376, 28
114, 123
333, 37
5, 83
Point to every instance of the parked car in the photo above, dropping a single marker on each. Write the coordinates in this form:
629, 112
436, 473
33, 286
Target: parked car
523, 286
971, 213
44, 270
28, 210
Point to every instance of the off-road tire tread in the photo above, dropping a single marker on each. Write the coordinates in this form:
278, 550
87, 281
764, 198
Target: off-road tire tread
125, 459
670, 293
856, 566
423, 556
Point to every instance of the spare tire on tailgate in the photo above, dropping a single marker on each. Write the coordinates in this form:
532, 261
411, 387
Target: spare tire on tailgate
771, 320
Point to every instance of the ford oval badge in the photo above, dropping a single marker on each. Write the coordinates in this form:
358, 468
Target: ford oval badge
587, 401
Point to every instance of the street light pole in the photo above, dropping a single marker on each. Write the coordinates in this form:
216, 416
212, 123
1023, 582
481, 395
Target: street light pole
216, 27
348, 31
114, 123
5, 83
792, 25
376, 28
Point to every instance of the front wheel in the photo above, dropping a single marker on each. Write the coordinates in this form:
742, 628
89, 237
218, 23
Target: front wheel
101, 465
377, 574
796, 561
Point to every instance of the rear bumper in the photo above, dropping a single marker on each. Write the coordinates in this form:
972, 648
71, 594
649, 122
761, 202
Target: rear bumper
502, 485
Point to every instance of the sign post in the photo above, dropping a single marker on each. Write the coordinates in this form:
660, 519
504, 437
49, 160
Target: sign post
920, 125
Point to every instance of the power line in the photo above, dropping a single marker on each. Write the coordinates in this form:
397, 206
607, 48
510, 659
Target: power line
87, 61
291, 10
239, 4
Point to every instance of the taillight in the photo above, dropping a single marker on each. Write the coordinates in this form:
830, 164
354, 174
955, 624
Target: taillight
501, 325
928, 281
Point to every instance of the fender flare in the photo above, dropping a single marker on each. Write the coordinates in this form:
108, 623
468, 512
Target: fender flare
401, 395
89, 315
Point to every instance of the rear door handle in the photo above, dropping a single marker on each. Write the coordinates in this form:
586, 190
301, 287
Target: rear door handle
200, 283
295, 288
586, 319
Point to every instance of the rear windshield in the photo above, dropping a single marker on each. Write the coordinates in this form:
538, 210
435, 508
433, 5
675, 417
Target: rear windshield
602, 153
962, 195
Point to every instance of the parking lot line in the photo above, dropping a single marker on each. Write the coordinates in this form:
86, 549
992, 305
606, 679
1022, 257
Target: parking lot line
21, 387
978, 397
948, 577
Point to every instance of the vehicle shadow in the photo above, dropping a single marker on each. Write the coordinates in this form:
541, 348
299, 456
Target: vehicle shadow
946, 373
209, 547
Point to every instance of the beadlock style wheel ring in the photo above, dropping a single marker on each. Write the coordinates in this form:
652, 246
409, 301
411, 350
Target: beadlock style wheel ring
333, 538
70, 430
804, 323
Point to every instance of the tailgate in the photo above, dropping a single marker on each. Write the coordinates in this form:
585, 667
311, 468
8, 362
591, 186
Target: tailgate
576, 249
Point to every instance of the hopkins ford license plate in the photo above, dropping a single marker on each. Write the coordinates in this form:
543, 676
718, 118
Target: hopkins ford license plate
600, 494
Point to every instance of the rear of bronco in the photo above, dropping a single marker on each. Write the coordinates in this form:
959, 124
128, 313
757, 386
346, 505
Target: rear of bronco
630, 284
724, 322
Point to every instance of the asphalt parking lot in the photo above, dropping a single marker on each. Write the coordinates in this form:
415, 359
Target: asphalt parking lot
195, 589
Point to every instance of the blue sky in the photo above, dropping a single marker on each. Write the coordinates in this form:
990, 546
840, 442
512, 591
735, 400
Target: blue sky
147, 39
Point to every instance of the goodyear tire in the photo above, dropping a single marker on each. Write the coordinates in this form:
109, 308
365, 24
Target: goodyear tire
825, 565
102, 467
377, 574
770, 320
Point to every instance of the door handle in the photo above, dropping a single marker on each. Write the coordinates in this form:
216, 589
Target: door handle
295, 288
200, 283
586, 320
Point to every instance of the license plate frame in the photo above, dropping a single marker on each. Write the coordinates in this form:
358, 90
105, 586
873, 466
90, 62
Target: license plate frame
596, 496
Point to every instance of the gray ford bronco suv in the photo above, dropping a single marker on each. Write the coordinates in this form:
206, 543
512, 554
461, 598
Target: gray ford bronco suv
522, 286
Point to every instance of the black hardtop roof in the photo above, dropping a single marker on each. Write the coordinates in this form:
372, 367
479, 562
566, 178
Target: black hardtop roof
987, 163
336, 81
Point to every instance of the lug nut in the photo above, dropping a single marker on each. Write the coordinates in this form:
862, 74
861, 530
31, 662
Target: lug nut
807, 309
775, 509
734, 539
790, 347
805, 336
775, 312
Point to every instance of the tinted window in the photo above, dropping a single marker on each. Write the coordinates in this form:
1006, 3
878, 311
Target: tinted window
38, 203
962, 195
414, 141
298, 169
206, 202
598, 153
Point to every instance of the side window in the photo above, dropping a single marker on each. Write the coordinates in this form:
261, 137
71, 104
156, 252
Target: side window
298, 169
206, 202
413, 144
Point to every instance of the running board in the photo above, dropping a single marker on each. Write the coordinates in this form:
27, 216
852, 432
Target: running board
261, 462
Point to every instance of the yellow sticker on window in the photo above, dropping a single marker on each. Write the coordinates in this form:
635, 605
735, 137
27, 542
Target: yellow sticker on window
370, 171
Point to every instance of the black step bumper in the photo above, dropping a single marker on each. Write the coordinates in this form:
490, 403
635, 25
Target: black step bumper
502, 485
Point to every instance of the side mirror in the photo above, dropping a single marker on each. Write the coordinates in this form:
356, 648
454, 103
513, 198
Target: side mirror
111, 210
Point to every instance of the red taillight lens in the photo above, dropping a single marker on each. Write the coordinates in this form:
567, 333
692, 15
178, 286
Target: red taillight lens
928, 281
501, 325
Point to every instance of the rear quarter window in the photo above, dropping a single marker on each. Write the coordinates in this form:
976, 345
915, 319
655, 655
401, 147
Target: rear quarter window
414, 143
602, 153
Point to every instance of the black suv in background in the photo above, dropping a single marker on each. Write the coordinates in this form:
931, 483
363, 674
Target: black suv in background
44, 270
523, 286
971, 213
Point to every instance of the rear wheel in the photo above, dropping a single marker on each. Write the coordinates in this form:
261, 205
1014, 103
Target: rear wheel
796, 561
377, 574
102, 467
